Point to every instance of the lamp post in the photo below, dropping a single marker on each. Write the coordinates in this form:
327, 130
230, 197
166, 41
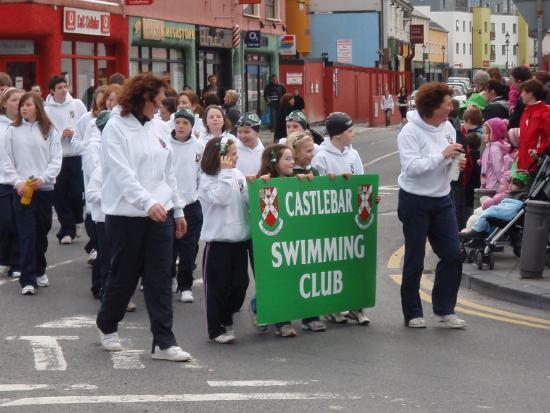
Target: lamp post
424, 60
443, 71
507, 43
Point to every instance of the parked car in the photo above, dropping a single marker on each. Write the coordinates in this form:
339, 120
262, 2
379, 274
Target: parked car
465, 80
460, 86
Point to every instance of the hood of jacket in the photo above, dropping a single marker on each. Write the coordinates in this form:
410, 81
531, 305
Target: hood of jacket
52, 102
414, 117
499, 129
329, 147
5, 121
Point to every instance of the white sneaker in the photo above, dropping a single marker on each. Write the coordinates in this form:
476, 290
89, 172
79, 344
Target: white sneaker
173, 353
452, 321
337, 318
42, 281
15, 274
78, 230
66, 240
110, 342
360, 316
4, 270
131, 308
230, 330
417, 322
174, 284
315, 325
186, 297
224, 338
27, 290
92, 256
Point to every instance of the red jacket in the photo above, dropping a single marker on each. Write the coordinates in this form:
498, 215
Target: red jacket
534, 134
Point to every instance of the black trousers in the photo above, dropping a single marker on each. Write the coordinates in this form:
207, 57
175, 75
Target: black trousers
434, 219
69, 189
9, 245
187, 247
90, 227
225, 274
33, 222
103, 258
140, 247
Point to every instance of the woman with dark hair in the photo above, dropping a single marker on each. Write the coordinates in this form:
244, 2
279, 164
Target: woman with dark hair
403, 103
32, 162
286, 107
231, 110
534, 126
143, 212
427, 146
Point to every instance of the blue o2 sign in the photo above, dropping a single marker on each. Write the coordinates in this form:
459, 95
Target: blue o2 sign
253, 38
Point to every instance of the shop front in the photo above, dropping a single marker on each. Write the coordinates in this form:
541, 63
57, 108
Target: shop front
164, 48
39, 41
261, 60
214, 56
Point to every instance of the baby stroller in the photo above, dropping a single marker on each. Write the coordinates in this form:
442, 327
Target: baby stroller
481, 251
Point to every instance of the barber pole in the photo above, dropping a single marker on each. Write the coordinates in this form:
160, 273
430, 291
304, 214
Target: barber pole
236, 36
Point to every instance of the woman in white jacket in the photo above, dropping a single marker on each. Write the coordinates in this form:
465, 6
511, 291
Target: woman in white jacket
143, 211
33, 154
427, 144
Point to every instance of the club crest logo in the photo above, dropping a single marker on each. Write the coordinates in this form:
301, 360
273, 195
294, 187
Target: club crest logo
270, 224
72, 114
364, 216
198, 158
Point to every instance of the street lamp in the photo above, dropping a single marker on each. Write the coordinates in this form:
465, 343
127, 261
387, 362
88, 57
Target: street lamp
443, 63
424, 60
507, 43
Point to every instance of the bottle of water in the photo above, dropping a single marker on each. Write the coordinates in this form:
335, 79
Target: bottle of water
454, 172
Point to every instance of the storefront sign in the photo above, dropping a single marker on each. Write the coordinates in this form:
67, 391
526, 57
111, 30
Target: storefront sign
314, 245
151, 29
416, 33
139, 2
89, 22
253, 39
288, 45
212, 37
294, 78
16, 47
344, 51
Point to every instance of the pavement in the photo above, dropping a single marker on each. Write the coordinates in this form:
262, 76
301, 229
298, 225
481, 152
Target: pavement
504, 282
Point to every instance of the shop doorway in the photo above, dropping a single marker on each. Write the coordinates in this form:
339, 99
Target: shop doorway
213, 62
22, 70
256, 79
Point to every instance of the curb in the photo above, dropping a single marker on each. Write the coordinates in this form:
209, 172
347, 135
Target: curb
504, 289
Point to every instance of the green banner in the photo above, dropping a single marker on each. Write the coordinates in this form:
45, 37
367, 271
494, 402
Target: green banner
314, 245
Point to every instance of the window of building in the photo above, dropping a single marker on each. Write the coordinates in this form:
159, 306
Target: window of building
486, 48
470, 27
272, 9
464, 26
492, 27
457, 26
503, 28
159, 61
458, 48
493, 52
515, 49
86, 65
485, 27
503, 49
463, 48
251, 10
470, 49
514, 28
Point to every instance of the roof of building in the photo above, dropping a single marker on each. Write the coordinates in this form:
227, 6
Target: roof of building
417, 13
435, 26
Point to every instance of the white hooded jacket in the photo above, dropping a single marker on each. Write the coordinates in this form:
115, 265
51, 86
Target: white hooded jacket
29, 153
249, 160
424, 170
4, 123
224, 201
137, 168
187, 167
92, 173
330, 160
65, 116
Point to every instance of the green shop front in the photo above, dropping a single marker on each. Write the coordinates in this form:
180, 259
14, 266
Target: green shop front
261, 60
164, 48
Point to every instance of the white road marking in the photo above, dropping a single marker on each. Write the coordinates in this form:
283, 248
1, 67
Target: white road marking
127, 359
193, 364
22, 387
256, 383
389, 188
59, 264
151, 398
47, 352
380, 158
8, 281
81, 321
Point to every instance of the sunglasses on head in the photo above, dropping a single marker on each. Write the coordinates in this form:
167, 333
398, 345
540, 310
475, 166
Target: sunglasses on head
294, 118
248, 124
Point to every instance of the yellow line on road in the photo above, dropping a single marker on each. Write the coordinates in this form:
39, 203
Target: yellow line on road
394, 263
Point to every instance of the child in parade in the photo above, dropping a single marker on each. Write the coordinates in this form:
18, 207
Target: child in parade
337, 157
9, 246
32, 162
226, 230
296, 121
302, 145
249, 145
187, 163
190, 100
216, 124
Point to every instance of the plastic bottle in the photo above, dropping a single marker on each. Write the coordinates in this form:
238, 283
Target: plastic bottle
454, 172
27, 198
